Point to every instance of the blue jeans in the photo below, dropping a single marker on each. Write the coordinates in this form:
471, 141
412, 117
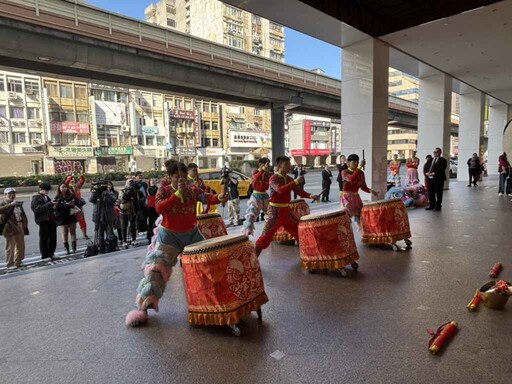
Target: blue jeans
503, 178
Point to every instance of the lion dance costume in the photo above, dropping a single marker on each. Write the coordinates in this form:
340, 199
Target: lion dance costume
177, 230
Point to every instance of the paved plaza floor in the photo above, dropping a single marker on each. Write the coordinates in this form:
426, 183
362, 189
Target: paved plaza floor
65, 323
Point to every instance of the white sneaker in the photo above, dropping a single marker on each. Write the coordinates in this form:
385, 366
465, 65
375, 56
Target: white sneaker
500, 194
12, 267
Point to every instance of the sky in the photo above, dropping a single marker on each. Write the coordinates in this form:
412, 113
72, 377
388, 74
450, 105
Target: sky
302, 50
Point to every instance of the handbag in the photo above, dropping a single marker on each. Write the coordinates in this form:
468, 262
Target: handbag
2, 225
73, 211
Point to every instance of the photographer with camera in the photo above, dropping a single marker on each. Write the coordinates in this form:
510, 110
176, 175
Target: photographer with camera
151, 212
231, 182
129, 210
103, 216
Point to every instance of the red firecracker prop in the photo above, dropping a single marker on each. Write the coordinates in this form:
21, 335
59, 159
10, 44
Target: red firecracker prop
473, 304
495, 270
439, 337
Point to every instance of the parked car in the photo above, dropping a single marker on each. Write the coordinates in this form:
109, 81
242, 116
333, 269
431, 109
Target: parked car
453, 168
212, 178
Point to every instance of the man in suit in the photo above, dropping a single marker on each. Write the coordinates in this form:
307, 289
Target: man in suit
436, 177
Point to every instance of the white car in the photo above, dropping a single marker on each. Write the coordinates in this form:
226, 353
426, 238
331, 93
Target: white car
453, 168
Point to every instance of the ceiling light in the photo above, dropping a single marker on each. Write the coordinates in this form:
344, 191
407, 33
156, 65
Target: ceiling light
42, 58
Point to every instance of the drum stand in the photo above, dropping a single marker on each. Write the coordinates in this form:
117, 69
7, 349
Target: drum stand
237, 331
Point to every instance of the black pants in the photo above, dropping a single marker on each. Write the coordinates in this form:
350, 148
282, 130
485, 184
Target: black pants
47, 239
473, 175
104, 230
128, 220
327, 190
340, 184
435, 192
152, 215
301, 187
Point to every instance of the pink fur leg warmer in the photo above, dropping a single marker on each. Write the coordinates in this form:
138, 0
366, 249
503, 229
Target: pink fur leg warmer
136, 318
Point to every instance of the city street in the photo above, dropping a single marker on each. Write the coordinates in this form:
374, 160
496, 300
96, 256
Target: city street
313, 185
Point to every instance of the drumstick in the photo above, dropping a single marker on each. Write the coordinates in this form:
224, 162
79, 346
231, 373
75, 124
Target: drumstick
320, 194
364, 159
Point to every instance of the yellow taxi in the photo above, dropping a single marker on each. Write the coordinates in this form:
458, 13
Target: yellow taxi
212, 178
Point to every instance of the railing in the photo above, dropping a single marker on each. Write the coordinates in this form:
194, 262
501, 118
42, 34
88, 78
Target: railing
111, 22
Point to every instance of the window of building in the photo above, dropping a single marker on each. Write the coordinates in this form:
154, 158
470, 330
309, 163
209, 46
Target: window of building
36, 138
215, 142
67, 115
256, 19
83, 139
54, 116
233, 27
395, 83
188, 105
52, 89
206, 125
3, 111
215, 108
32, 85
236, 42
17, 113
33, 113
171, 23
160, 140
206, 107
81, 92
276, 27
82, 116
2, 84
4, 137
178, 103
56, 140
232, 11
257, 112
19, 138
14, 85
198, 105
215, 126
276, 55
170, 9
150, 140
206, 142
66, 91
276, 42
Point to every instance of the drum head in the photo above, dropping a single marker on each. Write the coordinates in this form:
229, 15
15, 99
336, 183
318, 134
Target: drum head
297, 201
320, 216
217, 242
208, 216
381, 202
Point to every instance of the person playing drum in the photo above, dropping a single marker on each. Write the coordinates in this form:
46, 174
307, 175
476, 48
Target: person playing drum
353, 180
279, 214
259, 198
176, 201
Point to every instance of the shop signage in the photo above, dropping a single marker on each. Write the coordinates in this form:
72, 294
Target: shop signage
58, 127
32, 149
71, 152
185, 151
113, 151
310, 152
110, 113
246, 139
182, 114
146, 130
307, 134
210, 151
197, 128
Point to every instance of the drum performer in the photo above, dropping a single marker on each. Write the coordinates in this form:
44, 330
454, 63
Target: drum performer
353, 180
259, 198
279, 214
176, 201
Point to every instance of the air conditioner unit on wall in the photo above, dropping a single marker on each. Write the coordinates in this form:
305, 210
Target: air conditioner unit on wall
103, 142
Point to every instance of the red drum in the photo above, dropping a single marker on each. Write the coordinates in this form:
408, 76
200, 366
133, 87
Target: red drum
327, 241
211, 225
223, 280
384, 222
299, 208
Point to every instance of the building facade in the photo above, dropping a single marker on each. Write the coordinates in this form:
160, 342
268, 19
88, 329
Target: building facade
221, 23
310, 140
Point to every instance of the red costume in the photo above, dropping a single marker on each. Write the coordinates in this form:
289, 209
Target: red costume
350, 199
279, 213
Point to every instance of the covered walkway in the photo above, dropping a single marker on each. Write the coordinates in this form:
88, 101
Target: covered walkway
65, 324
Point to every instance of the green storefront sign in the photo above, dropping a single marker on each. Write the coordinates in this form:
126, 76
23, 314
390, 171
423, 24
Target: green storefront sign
114, 151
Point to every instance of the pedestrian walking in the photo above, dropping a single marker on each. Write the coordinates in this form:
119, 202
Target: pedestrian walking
14, 227
503, 170
436, 178
66, 209
474, 170
326, 183
44, 215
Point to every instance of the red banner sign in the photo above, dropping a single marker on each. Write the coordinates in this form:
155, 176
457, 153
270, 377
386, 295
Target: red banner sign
58, 127
307, 134
310, 152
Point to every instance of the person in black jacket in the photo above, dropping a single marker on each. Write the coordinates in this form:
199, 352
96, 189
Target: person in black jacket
129, 210
436, 177
341, 166
44, 215
66, 208
103, 214
474, 168
326, 183
297, 172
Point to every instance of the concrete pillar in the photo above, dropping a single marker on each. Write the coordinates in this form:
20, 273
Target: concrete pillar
364, 108
499, 115
277, 124
471, 130
434, 115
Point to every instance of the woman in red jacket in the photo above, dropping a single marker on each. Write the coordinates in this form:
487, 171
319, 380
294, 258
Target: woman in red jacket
75, 188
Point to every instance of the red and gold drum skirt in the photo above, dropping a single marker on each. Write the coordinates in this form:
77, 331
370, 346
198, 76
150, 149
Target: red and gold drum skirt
384, 222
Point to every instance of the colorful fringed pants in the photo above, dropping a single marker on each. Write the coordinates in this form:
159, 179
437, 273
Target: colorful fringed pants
257, 203
161, 257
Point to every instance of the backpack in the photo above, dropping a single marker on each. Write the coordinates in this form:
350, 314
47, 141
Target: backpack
111, 244
91, 250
